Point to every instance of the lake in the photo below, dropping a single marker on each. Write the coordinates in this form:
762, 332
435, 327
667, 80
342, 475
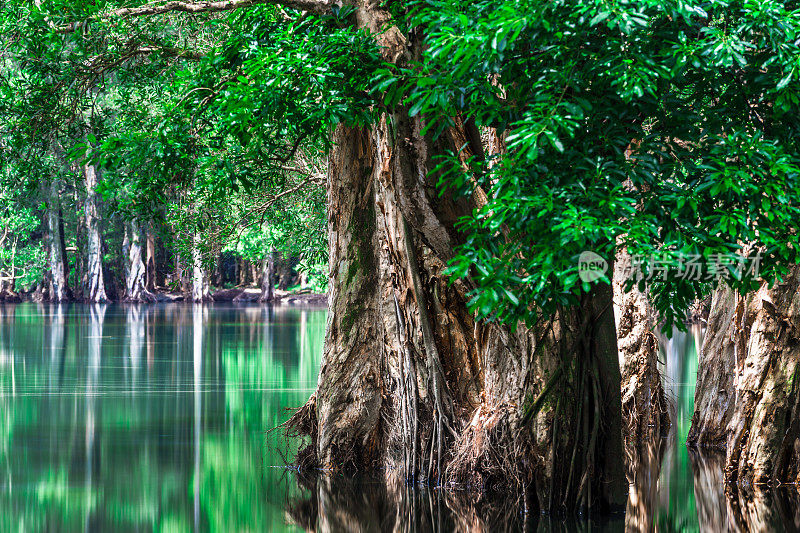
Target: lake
158, 418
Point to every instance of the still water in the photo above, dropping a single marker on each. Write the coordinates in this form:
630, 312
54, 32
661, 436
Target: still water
157, 418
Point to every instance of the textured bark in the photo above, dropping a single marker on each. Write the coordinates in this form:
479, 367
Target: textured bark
135, 272
715, 393
410, 381
96, 291
58, 289
759, 362
268, 278
644, 404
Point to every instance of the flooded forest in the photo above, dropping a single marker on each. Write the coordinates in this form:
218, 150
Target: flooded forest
322, 265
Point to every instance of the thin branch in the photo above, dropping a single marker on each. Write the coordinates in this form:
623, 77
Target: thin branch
318, 7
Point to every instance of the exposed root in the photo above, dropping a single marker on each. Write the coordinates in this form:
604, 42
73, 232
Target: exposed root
303, 423
489, 455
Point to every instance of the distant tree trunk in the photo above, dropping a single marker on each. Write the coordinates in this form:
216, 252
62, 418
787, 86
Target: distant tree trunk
284, 268
241, 272
58, 288
268, 277
150, 259
183, 272
748, 388
254, 274
218, 268
200, 285
80, 241
96, 288
135, 275
6, 284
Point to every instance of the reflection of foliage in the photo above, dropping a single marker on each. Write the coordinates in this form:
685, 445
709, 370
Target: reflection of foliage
677, 482
139, 470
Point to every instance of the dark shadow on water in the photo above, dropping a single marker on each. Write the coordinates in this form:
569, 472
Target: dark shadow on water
336, 503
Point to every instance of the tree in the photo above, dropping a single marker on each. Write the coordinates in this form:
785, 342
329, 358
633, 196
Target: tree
477, 148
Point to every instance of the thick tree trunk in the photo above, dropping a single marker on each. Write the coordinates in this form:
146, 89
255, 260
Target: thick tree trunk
268, 278
748, 389
58, 288
715, 393
96, 291
644, 403
135, 272
410, 381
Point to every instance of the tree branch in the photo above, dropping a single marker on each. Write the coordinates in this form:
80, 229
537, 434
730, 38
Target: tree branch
319, 7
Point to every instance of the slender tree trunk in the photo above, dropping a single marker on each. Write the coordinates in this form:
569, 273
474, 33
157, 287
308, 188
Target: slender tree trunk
254, 274
135, 272
58, 289
96, 288
268, 278
200, 285
748, 389
150, 259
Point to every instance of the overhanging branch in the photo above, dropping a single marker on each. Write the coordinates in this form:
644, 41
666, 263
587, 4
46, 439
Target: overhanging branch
319, 7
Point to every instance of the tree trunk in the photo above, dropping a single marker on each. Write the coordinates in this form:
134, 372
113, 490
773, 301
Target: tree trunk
268, 278
752, 350
135, 274
715, 393
242, 272
150, 259
410, 381
96, 288
284, 271
644, 403
7, 285
200, 285
58, 288
254, 274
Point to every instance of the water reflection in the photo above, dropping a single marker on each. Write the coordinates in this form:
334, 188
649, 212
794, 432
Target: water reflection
150, 417
156, 417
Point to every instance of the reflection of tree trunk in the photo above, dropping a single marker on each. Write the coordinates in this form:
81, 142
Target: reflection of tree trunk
94, 359
644, 466
136, 335
709, 489
58, 290
748, 388
197, 353
410, 380
268, 278
96, 287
